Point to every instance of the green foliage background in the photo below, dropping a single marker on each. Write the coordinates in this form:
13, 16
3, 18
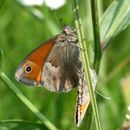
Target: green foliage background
21, 31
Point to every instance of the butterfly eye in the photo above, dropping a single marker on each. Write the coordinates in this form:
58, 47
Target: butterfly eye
28, 69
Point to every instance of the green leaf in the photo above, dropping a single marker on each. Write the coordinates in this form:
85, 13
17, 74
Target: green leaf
115, 19
3, 128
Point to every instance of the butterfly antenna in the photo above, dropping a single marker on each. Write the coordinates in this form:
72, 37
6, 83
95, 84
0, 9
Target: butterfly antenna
58, 21
108, 98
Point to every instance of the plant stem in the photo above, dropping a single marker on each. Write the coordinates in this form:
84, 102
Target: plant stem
86, 64
96, 32
1, 60
30, 106
20, 121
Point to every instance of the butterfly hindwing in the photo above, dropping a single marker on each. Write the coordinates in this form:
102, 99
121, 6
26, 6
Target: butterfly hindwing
59, 70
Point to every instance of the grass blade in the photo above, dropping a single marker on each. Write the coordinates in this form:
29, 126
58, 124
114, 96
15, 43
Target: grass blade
115, 19
30, 106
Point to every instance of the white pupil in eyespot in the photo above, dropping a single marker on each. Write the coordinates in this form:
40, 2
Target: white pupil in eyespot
28, 69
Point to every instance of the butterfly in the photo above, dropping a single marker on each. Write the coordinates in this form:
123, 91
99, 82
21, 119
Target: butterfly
56, 65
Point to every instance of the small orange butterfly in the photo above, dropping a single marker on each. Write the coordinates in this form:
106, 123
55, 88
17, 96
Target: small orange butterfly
56, 65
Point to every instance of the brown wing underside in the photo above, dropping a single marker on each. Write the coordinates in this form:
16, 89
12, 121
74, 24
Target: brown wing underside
59, 74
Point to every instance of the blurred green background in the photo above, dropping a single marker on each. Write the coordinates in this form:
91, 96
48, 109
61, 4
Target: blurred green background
23, 28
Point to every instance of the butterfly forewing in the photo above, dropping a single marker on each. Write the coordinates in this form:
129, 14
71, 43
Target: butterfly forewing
35, 60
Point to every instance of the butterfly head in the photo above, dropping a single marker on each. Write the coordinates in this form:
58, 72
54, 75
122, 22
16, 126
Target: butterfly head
28, 72
69, 30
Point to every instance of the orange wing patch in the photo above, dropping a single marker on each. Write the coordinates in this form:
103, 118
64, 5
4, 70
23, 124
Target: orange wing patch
42, 52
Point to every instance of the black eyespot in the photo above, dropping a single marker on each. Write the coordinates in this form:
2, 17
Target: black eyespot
28, 69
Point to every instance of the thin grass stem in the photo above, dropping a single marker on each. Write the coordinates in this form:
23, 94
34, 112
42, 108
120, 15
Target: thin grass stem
96, 32
85, 60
